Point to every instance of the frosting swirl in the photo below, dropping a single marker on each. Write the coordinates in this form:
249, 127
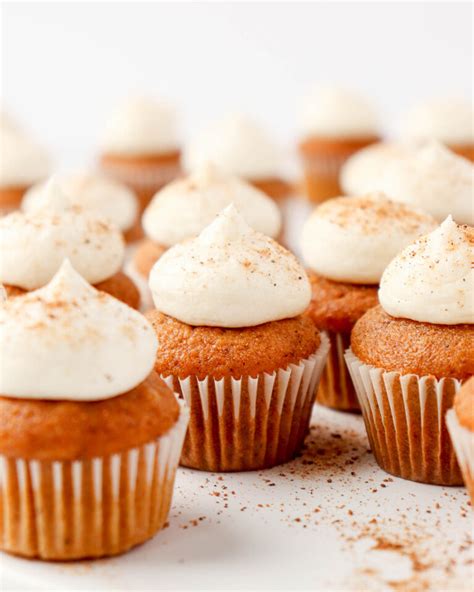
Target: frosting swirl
96, 193
22, 161
229, 276
432, 280
238, 146
352, 239
69, 341
183, 208
33, 245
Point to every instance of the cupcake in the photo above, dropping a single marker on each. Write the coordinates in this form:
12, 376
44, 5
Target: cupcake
34, 244
450, 121
90, 437
140, 146
409, 356
185, 207
22, 164
460, 421
240, 147
432, 178
336, 124
347, 243
234, 344
98, 194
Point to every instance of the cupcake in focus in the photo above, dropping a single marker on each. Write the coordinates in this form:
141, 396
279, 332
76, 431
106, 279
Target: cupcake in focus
460, 422
240, 147
336, 124
450, 121
140, 146
234, 344
182, 209
409, 356
347, 242
23, 163
98, 194
90, 437
34, 244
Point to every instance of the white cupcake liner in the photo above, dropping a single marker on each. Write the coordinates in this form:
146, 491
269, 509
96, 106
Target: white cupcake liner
61, 510
404, 418
463, 442
252, 422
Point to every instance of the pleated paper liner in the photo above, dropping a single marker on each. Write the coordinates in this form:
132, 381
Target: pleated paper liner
61, 510
463, 442
252, 422
336, 389
321, 175
405, 420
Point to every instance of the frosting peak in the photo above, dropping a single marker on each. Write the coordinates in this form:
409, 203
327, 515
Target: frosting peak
22, 161
432, 280
183, 208
76, 343
229, 276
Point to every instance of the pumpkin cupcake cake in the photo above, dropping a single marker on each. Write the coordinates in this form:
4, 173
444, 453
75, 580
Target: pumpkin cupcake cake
240, 147
409, 356
347, 243
90, 437
33, 246
234, 344
185, 207
98, 194
140, 146
460, 421
336, 124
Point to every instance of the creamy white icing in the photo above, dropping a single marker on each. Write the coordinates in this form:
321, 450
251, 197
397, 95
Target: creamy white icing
141, 126
96, 193
352, 239
331, 111
33, 245
434, 179
185, 207
229, 276
22, 161
432, 280
446, 120
238, 146
70, 341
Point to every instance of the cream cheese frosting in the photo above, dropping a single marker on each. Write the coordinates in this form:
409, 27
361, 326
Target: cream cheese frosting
33, 245
69, 341
185, 207
96, 193
141, 126
434, 179
22, 161
432, 280
229, 276
447, 120
352, 239
334, 112
238, 146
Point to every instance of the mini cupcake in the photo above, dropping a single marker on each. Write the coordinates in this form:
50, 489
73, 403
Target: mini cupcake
234, 344
336, 124
432, 178
409, 356
347, 243
22, 164
98, 194
140, 146
450, 121
460, 421
90, 437
185, 207
240, 147
33, 246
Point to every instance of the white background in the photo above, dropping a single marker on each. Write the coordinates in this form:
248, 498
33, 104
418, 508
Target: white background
65, 65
